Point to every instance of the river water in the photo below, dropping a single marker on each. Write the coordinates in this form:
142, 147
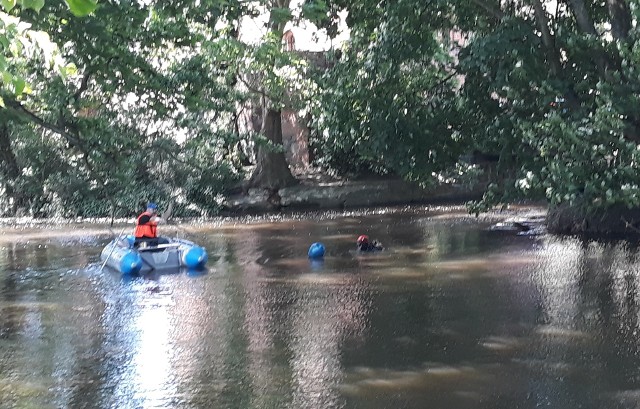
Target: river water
450, 315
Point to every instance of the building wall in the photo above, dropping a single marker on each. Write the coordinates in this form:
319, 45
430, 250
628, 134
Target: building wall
295, 138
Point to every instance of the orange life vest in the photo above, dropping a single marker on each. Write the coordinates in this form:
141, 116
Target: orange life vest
146, 230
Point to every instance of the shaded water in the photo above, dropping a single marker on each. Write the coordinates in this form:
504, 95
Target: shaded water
450, 315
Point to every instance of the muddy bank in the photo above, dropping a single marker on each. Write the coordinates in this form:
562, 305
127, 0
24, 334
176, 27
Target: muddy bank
615, 221
341, 194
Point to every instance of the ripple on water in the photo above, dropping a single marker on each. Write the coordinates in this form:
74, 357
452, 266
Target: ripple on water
430, 379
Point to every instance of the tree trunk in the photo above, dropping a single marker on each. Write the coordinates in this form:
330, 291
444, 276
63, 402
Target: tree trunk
9, 169
547, 38
582, 17
585, 23
620, 18
272, 171
553, 55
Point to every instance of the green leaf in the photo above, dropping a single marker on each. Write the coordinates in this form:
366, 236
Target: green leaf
18, 85
36, 5
67, 70
7, 78
82, 7
315, 11
281, 14
7, 5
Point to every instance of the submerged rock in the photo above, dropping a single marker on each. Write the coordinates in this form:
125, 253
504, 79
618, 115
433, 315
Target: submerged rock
523, 226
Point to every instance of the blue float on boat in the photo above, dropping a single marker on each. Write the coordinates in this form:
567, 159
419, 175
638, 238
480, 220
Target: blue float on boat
121, 255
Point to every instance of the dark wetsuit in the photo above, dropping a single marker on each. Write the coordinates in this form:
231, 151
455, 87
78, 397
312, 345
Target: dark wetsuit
370, 246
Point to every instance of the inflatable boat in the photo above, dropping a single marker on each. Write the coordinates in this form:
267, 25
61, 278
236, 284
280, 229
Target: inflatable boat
123, 255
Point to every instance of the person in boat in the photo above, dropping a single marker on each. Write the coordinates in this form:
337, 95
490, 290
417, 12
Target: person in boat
146, 232
366, 245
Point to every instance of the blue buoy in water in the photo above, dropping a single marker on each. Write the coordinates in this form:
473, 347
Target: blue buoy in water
316, 250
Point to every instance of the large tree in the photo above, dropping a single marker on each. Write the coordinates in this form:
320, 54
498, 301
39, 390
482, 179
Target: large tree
142, 116
549, 89
147, 107
388, 105
272, 170
22, 46
554, 91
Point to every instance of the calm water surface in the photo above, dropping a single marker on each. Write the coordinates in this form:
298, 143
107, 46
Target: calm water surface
450, 315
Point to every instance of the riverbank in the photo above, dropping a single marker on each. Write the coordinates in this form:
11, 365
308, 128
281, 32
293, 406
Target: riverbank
317, 196
20, 230
317, 191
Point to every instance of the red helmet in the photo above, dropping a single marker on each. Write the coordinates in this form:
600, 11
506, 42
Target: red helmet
363, 239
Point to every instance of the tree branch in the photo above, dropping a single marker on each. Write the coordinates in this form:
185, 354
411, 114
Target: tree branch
252, 89
84, 84
442, 81
493, 11
72, 139
585, 23
547, 38
20, 109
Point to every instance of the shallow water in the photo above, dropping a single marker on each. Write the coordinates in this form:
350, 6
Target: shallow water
450, 315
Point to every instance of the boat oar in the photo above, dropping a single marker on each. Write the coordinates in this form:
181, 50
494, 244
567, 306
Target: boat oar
113, 247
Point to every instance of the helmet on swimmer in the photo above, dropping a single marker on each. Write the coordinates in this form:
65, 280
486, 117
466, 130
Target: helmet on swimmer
363, 239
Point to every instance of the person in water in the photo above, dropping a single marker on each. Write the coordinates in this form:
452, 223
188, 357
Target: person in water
147, 227
364, 244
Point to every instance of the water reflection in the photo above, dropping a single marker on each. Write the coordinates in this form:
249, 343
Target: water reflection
150, 372
449, 315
